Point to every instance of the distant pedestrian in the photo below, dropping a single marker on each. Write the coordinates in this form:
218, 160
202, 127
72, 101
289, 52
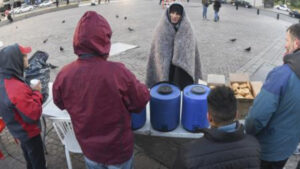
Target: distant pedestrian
99, 2
8, 16
68, 1
57, 3
205, 6
217, 6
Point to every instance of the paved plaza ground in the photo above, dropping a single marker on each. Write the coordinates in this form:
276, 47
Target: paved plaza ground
264, 33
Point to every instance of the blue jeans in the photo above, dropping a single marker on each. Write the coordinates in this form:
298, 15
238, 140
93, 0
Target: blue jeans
216, 16
94, 165
204, 13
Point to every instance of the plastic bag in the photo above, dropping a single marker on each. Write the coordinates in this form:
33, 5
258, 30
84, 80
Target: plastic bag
39, 69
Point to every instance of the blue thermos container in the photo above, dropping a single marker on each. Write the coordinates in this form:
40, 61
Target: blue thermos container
138, 120
164, 107
194, 107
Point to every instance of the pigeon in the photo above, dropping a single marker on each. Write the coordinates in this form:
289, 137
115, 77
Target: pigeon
117, 16
63, 21
233, 40
248, 49
125, 18
45, 41
52, 66
130, 29
61, 48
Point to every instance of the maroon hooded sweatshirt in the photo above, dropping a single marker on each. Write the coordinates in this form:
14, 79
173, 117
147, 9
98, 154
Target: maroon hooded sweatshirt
99, 94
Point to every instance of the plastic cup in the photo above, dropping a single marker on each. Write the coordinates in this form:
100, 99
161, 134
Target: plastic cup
34, 82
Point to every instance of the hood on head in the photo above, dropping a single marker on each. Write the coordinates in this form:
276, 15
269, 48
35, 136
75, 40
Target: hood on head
293, 60
176, 7
11, 61
177, 4
92, 35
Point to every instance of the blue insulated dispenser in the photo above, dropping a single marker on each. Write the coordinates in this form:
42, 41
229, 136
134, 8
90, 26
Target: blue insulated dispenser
194, 107
164, 107
138, 120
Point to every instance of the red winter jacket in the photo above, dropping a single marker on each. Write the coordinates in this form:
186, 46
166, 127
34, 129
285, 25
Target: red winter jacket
20, 107
99, 94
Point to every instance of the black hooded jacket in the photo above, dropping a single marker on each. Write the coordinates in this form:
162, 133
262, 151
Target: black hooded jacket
220, 150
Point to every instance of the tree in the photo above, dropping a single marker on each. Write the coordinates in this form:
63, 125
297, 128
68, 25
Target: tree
295, 3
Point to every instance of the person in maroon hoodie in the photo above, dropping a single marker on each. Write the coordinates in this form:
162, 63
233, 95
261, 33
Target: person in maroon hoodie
99, 96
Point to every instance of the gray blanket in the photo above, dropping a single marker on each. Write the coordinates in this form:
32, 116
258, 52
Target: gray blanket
168, 46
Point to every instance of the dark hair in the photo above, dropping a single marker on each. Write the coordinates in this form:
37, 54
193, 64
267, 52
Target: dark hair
222, 105
294, 30
176, 8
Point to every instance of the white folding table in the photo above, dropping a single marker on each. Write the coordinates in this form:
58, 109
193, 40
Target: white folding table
50, 110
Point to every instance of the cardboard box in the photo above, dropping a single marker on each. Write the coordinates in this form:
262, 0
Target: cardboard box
240, 83
243, 104
256, 87
214, 80
202, 82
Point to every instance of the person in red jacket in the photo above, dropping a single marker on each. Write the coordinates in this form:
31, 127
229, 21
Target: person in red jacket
20, 105
99, 95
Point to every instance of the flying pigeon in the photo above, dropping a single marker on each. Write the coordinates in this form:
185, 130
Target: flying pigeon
45, 41
233, 40
248, 49
61, 48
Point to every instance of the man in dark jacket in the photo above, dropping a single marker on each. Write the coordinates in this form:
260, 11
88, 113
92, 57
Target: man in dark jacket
225, 145
274, 116
21, 106
217, 6
99, 95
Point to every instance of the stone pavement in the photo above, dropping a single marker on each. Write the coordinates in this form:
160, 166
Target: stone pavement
264, 34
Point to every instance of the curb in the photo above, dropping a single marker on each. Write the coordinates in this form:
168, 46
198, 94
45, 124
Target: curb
40, 12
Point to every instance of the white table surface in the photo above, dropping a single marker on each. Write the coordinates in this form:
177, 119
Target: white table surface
50, 110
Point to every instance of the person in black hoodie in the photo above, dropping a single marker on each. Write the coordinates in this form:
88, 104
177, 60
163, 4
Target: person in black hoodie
225, 145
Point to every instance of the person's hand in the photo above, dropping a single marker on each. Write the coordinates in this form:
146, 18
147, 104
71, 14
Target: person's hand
37, 87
